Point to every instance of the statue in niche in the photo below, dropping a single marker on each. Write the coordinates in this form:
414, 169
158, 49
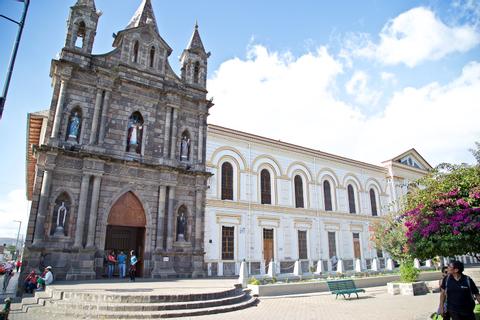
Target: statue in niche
184, 148
181, 226
61, 216
134, 134
74, 127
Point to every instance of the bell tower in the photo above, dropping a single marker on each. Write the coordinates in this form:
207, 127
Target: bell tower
194, 61
82, 26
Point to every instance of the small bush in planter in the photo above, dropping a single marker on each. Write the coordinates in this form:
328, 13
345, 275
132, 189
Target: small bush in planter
254, 281
408, 273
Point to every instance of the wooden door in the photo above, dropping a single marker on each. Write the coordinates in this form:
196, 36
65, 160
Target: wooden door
356, 246
268, 245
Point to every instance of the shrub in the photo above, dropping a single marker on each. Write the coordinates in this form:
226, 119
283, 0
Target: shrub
254, 281
408, 273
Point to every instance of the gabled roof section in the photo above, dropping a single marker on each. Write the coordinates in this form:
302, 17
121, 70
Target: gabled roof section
196, 43
143, 16
413, 159
36, 122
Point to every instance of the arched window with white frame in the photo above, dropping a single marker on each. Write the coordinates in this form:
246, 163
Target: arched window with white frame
373, 202
227, 181
298, 185
327, 195
265, 187
351, 199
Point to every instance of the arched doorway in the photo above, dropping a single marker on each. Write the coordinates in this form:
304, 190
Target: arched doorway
126, 228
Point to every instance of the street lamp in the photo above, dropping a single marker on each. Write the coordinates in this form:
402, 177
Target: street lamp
20, 24
18, 235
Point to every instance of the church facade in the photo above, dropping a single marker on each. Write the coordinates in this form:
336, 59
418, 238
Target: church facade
119, 162
124, 160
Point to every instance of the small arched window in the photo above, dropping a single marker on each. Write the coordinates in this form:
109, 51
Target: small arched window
265, 187
351, 199
80, 36
196, 72
373, 202
74, 126
152, 57
135, 133
227, 181
298, 192
61, 215
327, 195
135, 52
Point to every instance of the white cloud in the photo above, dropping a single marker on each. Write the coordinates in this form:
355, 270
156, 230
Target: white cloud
295, 99
413, 37
387, 76
13, 206
357, 86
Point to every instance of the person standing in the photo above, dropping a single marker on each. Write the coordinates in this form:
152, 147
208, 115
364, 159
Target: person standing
6, 279
133, 265
18, 264
122, 264
111, 263
458, 290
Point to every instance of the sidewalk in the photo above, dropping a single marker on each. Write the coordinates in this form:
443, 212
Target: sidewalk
11, 289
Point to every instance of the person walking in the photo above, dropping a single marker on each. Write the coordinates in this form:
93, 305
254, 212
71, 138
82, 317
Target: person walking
133, 265
18, 264
122, 264
111, 263
6, 279
458, 291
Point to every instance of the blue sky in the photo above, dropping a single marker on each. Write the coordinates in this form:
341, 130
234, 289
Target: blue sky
363, 79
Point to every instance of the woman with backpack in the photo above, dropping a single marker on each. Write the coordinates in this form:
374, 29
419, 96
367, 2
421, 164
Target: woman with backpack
458, 290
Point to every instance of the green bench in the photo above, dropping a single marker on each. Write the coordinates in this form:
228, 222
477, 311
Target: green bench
343, 287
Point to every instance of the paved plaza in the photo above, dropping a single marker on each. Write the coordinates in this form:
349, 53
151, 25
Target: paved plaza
374, 304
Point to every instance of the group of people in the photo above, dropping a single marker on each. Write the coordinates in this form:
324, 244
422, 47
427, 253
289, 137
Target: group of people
457, 293
121, 260
38, 282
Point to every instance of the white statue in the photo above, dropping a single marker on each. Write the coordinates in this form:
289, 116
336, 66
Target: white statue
184, 148
61, 216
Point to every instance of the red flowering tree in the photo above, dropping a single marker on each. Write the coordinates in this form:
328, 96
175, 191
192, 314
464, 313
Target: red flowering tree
442, 215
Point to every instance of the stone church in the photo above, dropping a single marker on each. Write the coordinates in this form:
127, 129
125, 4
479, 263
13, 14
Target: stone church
124, 160
119, 161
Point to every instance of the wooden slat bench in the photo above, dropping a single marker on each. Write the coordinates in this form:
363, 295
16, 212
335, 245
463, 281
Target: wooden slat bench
343, 287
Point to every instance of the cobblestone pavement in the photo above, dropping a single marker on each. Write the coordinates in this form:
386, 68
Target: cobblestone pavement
374, 304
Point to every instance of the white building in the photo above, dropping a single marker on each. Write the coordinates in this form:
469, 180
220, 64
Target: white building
273, 200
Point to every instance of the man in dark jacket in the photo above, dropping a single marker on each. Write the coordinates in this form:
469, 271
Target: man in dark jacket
459, 291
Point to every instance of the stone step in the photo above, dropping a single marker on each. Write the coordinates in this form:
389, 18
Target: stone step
132, 307
125, 296
95, 314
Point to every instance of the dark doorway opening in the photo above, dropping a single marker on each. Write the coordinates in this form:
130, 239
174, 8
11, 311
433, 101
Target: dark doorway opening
120, 238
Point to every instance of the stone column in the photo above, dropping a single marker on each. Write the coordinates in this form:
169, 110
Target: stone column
161, 216
96, 111
200, 140
82, 206
42, 207
92, 222
166, 141
173, 140
171, 217
103, 117
59, 109
198, 218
